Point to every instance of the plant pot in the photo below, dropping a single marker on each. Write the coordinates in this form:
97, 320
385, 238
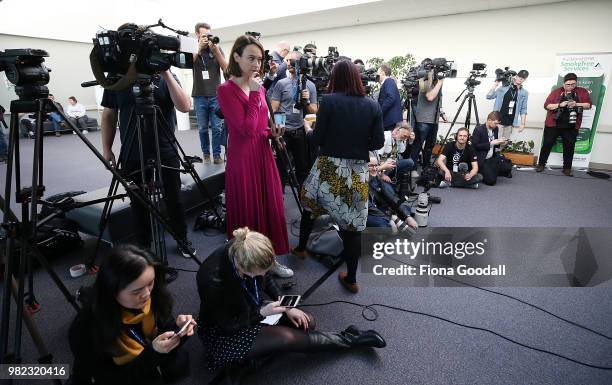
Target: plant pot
521, 159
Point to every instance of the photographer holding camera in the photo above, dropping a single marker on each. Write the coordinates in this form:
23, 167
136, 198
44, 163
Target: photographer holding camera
167, 94
428, 108
208, 64
565, 106
277, 66
285, 99
511, 101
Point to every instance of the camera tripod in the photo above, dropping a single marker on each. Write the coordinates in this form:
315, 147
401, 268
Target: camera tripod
149, 116
470, 98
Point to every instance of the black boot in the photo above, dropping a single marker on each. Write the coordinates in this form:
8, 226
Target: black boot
349, 338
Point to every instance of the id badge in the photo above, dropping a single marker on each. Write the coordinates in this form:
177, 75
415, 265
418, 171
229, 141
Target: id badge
205, 75
510, 107
455, 167
296, 111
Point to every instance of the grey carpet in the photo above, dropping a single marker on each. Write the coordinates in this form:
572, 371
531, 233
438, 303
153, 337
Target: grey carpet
420, 350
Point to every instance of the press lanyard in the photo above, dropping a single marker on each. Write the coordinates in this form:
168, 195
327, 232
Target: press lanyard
135, 335
204, 63
255, 298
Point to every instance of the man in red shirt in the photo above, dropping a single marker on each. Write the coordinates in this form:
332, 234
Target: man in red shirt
564, 105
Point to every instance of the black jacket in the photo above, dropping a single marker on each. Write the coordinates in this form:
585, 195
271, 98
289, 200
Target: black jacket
480, 142
90, 362
390, 103
224, 303
348, 126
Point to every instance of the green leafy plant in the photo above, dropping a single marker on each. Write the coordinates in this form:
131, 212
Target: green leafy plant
521, 147
399, 68
441, 140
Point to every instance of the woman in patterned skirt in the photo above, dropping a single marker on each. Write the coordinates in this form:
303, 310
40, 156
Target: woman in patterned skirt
232, 282
349, 124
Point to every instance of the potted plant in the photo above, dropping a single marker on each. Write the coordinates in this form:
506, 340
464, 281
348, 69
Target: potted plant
520, 153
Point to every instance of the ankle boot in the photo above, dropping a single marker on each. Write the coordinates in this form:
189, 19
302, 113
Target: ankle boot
349, 338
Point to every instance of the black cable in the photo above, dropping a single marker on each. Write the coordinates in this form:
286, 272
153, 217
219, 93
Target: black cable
185, 270
370, 307
516, 299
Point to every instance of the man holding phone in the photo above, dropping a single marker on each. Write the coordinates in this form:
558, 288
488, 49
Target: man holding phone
208, 63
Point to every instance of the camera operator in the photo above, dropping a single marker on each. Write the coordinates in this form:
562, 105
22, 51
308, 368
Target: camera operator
208, 64
511, 102
428, 108
278, 66
458, 163
285, 99
167, 94
389, 99
565, 105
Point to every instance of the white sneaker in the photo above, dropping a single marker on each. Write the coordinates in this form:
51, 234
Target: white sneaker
73, 133
414, 173
444, 184
393, 226
281, 271
85, 132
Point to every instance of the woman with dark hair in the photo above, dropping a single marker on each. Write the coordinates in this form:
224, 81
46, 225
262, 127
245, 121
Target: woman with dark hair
348, 126
232, 282
254, 196
125, 332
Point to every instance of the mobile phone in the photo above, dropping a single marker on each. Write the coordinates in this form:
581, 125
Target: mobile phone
290, 300
183, 329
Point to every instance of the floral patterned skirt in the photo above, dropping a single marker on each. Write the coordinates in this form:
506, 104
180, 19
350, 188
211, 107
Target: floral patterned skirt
338, 187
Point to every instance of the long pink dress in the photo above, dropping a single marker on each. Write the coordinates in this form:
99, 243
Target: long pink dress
253, 193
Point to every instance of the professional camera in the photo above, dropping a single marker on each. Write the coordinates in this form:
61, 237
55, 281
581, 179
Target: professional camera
212, 38
504, 75
411, 81
317, 68
573, 111
25, 69
476, 72
441, 68
136, 50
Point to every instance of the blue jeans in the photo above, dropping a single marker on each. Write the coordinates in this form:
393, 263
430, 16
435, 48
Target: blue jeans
56, 119
3, 144
205, 107
376, 221
424, 133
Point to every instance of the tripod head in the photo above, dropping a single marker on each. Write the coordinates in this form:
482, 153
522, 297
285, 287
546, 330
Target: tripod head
25, 69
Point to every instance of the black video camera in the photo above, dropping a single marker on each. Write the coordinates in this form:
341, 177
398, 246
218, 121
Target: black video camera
441, 68
573, 111
411, 81
135, 50
504, 75
317, 68
25, 69
478, 71
212, 38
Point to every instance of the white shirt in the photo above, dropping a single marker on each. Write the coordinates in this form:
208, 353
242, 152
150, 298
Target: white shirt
387, 147
75, 111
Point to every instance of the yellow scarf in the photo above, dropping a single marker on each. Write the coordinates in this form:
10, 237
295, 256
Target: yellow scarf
127, 347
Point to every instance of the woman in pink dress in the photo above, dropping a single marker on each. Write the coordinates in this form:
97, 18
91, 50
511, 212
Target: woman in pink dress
254, 197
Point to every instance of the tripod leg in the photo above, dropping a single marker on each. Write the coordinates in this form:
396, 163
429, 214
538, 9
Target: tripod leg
108, 207
475, 110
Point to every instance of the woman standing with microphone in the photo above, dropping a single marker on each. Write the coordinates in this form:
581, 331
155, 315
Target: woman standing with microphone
349, 125
254, 197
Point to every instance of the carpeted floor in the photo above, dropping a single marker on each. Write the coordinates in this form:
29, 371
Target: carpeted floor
421, 349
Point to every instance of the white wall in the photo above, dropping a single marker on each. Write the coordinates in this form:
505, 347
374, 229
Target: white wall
69, 63
522, 38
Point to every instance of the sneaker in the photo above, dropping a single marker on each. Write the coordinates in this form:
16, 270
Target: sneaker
281, 271
414, 173
206, 158
58, 134
217, 159
474, 186
539, 168
444, 184
186, 252
73, 132
85, 132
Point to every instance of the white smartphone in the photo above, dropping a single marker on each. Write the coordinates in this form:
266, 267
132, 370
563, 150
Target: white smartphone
183, 329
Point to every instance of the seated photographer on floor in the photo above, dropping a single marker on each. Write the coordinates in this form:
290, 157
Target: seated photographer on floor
385, 208
396, 142
125, 333
458, 163
231, 283
485, 141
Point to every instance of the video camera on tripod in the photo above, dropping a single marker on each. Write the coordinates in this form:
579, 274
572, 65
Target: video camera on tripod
135, 50
478, 71
504, 75
317, 69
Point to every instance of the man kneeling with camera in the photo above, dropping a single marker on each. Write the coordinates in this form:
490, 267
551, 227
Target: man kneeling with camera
458, 163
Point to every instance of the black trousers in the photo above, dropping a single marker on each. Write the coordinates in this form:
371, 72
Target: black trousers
171, 198
79, 122
568, 136
297, 148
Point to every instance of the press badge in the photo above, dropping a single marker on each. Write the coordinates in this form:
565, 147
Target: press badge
205, 75
455, 167
296, 111
510, 107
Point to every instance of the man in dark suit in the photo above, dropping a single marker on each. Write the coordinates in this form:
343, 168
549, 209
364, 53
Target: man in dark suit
485, 138
389, 98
